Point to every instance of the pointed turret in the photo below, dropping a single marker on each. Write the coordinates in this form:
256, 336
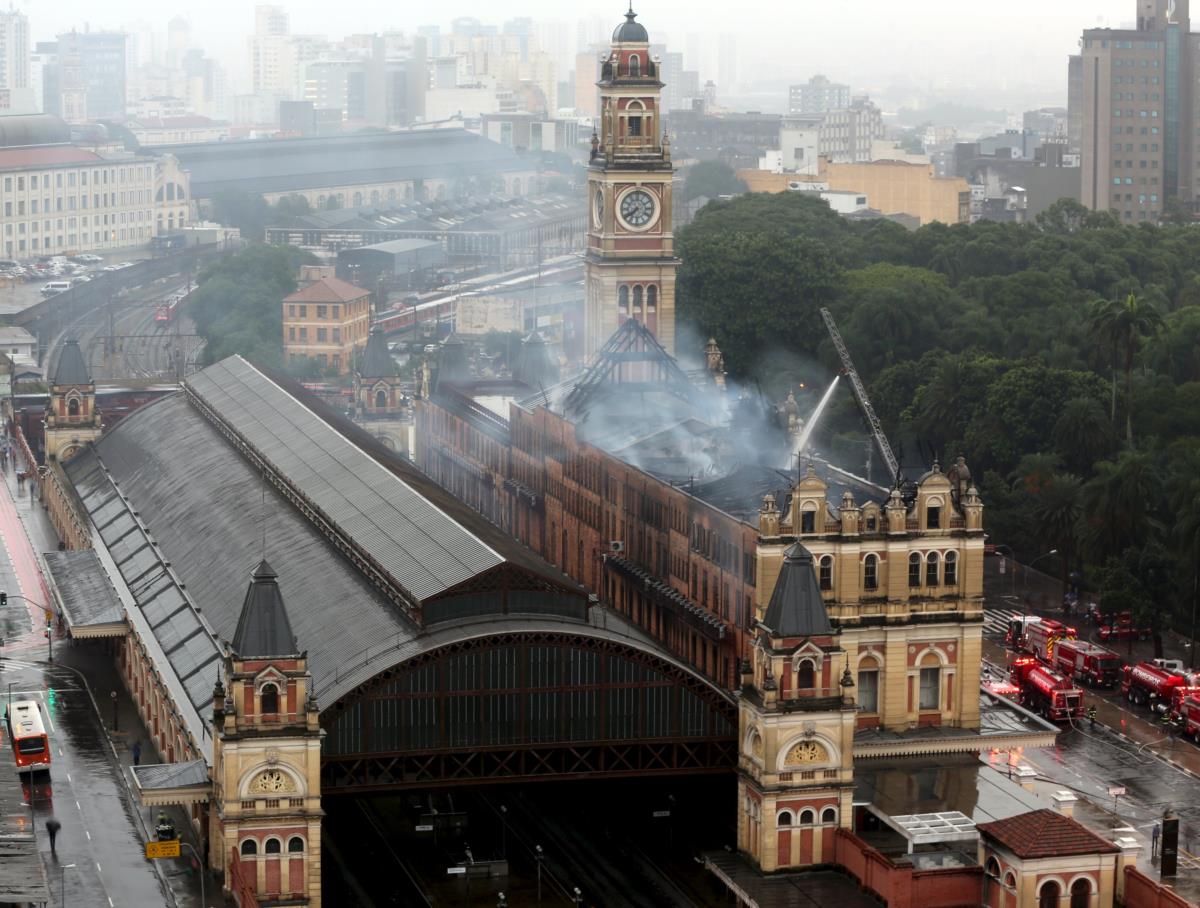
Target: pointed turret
377, 360
263, 628
534, 366
797, 608
71, 368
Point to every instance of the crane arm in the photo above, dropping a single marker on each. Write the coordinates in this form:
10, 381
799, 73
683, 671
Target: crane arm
860, 392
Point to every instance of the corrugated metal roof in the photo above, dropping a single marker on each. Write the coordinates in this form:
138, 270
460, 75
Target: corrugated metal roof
421, 547
205, 506
84, 589
171, 775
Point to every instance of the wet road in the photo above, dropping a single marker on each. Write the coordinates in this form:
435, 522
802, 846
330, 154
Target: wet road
1127, 749
84, 790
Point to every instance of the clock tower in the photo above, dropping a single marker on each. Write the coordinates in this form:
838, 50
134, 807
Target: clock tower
265, 828
631, 260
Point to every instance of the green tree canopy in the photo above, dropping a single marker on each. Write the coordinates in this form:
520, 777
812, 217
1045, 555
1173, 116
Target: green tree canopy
711, 179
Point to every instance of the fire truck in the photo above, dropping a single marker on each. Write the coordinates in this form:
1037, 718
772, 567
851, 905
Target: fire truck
1174, 707
1188, 716
1146, 684
1047, 692
1043, 637
1087, 662
1121, 628
1018, 626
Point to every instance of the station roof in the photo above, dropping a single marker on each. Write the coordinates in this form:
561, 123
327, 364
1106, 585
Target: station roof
89, 603
187, 494
288, 165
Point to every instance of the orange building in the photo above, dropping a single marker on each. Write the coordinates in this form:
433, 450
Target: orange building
326, 320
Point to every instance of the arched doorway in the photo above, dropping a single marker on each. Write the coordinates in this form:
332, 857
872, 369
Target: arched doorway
1049, 895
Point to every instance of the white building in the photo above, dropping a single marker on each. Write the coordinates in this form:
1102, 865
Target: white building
14, 50
18, 345
59, 198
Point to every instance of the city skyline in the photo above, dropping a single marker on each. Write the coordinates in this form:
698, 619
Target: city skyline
946, 51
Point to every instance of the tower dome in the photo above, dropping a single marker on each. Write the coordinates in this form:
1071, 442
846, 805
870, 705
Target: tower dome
630, 32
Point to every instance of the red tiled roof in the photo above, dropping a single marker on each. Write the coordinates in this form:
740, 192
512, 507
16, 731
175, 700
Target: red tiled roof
45, 156
328, 290
1045, 834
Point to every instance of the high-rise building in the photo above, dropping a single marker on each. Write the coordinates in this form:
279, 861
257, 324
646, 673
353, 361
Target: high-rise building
1138, 125
631, 264
92, 75
1074, 103
270, 21
14, 50
817, 96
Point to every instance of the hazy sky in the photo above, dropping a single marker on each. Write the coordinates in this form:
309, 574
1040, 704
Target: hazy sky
951, 45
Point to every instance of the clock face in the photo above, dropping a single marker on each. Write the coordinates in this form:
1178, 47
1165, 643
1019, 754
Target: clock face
598, 209
637, 208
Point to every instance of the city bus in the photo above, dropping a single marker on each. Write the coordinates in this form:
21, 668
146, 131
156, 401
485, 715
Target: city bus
27, 734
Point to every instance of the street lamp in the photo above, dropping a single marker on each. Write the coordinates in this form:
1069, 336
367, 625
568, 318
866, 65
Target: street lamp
540, 856
1013, 558
577, 897
1029, 567
502, 901
200, 869
62, 883
113, 696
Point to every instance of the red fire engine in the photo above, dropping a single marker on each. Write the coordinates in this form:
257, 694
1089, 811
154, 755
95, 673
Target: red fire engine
1146, 683
1088, 663
1047, 692
1043, 637
1188, 716
1121, 628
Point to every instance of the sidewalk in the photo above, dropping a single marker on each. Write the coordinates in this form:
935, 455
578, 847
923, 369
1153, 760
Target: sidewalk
96, 668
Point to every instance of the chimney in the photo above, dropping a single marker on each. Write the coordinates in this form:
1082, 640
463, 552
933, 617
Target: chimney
1064, 802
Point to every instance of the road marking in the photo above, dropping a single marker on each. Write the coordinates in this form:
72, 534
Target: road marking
77, 807
60, 753
99, 869
88, 834
68, 777
110, 902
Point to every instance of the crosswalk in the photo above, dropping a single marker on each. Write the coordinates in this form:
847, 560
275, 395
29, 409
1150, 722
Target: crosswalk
995, 621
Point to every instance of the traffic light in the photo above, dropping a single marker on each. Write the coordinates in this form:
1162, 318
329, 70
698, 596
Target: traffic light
3, 598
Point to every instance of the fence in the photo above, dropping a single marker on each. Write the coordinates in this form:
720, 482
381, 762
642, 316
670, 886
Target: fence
1143, 892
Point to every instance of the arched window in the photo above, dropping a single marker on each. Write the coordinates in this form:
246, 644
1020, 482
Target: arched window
1081, 894
805, 675
808, 817
991, 883
73, 406
651, 298
933, 515
637, 303
295, 845
914, 569
269, 699
826, 572
950, 571
516, 186
785, 818
808, 518
635, 65
249, 848
931, 569
829, 816
380, 399
1049, 895
1010, 881
358, 199
623, 300
273, 846
871, 572
868, 685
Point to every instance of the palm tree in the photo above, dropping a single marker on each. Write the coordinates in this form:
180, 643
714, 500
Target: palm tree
1119, 504
1056, 515
1123, 325
1081, 433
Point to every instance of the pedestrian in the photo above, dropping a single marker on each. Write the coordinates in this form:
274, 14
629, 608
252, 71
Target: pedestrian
137, 752
1155, 833
52, 828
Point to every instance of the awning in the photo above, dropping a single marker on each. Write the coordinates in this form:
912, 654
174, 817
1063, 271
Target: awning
168, 784
83, 596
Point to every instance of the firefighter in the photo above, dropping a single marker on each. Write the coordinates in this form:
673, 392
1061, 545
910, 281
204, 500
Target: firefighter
1168, 724
1091, 714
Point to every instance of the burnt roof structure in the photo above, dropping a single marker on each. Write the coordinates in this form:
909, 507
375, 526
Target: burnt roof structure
797, 608
263, 628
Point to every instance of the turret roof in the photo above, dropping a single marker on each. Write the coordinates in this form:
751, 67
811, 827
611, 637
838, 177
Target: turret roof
797, 608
